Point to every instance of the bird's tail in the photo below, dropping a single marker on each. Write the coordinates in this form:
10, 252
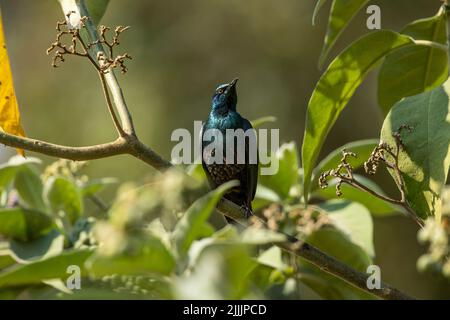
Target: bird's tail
244, 205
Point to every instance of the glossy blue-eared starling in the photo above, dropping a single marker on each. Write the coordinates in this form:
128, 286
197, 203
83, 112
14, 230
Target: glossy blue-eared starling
223, 116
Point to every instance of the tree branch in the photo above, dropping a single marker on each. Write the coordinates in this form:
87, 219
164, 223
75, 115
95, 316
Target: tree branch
342, 271
100, 151
147, 155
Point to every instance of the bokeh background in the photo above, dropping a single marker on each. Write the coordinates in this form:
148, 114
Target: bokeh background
181, 51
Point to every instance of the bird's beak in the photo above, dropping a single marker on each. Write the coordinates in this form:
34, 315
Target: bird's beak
231, 86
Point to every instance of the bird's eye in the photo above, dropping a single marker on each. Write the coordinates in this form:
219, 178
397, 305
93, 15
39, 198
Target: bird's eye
220, 91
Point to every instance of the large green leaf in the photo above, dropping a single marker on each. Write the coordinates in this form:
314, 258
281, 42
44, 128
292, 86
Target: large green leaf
221, 272
273, 258
353, 220
97, 9
376, 206
64, 195
29, 186
287, 175
23, 224
335, 243
149, 256
424, 160
263, 197
415, 69
229, 235
336, 87
263, 120
51, 268
342, 12
362, 148
190, 226
93, 187
260, 236
51, 244
9, 170
319, 5
6, 259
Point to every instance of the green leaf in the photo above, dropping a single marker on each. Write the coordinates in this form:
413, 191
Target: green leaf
150, 256
6, 260
51, 244
319, 5
263, 197
23, 224
272, 257
29, 186
95, 186
354, 221
342, 12
51, 268
336, 87
226, 235
259, 236
196, 171
260, 121
191, 224
415, 69
376, 206
9, 170
58, 284
97, 9
287, 175
335, 243
63, 194
362, 148
424, 160
329, 287
220, 273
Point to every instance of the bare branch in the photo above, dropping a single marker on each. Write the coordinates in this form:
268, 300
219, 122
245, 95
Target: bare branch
100, 151
344, 173
61, 49
146, 154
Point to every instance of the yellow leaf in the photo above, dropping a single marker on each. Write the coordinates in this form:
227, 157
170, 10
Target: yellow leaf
9, 109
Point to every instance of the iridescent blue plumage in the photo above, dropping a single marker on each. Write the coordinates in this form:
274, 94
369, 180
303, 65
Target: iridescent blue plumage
224, 116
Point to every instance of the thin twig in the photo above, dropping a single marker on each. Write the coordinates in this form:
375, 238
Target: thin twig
110, 105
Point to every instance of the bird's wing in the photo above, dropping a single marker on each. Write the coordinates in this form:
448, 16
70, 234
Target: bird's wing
252, 169
205, 167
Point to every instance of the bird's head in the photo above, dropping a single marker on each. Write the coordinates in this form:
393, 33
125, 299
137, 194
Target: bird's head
225, 97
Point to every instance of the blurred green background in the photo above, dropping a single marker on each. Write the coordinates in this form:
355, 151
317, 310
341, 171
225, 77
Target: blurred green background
181, 52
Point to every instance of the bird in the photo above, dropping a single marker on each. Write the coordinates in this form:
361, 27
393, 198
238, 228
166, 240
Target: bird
223, 116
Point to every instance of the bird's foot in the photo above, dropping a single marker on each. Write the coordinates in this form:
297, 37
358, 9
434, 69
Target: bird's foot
247, 210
